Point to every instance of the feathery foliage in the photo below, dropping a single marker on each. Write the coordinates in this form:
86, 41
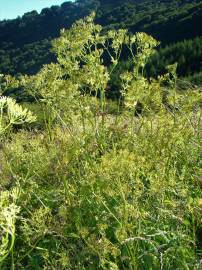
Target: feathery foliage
102, 185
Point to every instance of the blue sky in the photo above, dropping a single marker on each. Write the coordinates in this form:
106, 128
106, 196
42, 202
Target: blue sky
10, 9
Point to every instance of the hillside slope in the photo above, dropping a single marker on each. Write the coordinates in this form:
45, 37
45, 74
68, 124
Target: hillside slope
21, 51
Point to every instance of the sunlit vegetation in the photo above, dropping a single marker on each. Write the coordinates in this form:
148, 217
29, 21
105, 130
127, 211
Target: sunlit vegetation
89, 183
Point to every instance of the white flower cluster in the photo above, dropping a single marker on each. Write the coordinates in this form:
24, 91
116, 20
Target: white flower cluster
12, 113
8, 215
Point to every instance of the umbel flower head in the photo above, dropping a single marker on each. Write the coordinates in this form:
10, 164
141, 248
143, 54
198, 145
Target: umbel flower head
8, 215
12, 113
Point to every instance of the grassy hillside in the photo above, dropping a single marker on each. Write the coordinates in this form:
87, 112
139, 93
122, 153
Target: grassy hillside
91, 184
21, 51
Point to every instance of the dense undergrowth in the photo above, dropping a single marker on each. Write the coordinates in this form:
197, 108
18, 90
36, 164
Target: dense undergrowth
93, 184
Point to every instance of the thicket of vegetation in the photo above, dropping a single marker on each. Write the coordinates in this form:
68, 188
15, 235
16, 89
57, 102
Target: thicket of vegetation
171, 21
93, 184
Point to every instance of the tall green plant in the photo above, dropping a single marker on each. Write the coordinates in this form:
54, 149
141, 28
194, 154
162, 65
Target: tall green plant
108, 191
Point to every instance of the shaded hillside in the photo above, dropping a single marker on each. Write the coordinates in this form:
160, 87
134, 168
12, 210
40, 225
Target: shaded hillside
25, 41
187, 53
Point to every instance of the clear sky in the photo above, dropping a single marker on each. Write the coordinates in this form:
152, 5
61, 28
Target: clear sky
10, 9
